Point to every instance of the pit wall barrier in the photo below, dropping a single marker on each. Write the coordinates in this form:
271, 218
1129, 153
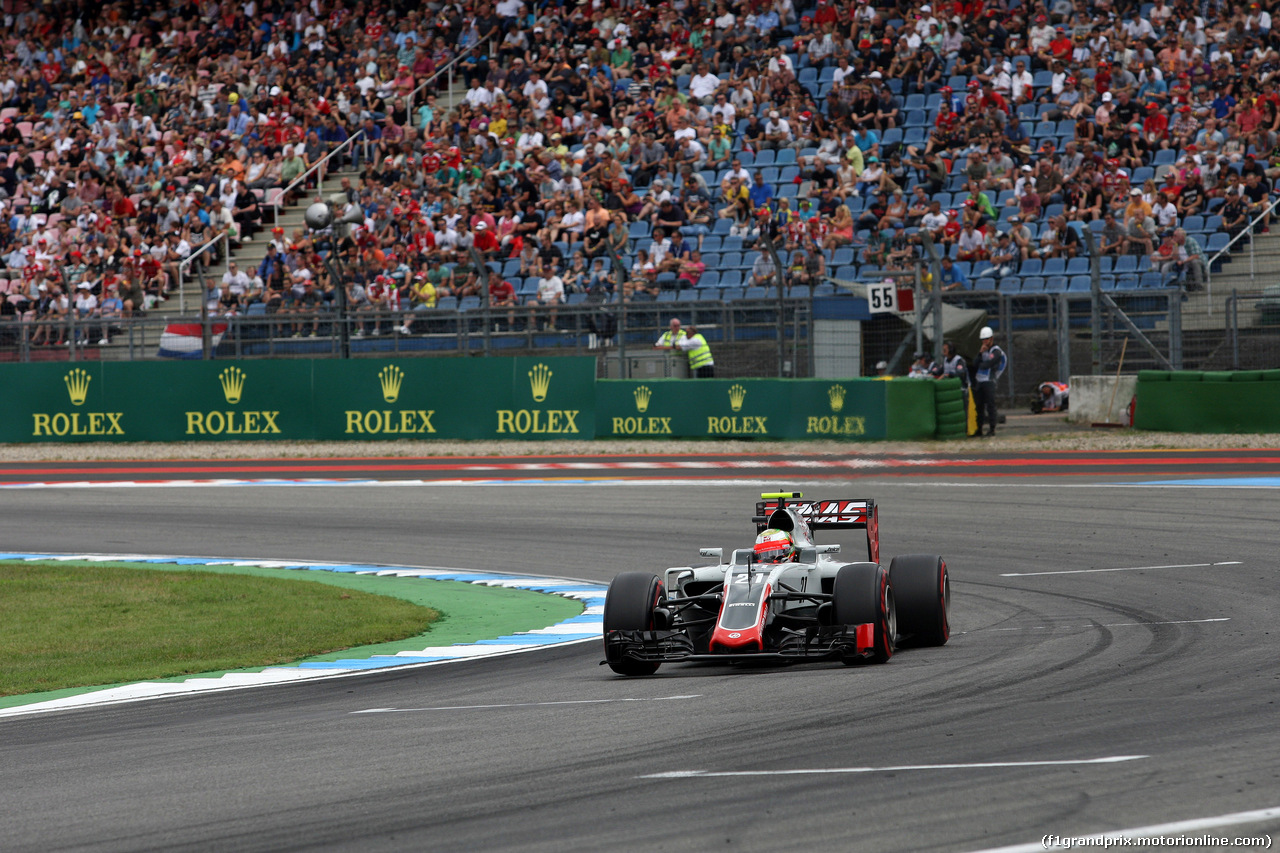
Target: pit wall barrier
450, 398
852, 409
1208, 401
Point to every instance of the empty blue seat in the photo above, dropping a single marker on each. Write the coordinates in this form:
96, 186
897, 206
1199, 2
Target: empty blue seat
764, 158
1216, 243
1054, 266
1055, 284
730, 260
1164, 157
786, 157
915, 102
1078, 266
1033, 284
1080, 284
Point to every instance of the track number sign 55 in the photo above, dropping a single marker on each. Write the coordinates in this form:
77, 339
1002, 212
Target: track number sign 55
882, 297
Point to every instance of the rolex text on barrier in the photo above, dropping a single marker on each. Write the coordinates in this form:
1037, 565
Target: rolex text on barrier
328, 399
852, 409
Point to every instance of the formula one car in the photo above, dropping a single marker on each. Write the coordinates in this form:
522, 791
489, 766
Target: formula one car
785, 599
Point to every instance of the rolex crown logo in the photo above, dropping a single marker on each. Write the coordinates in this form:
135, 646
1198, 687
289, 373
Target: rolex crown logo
736, 395
642, 395
232, 380
78, 385
836, 395
390, 378
540, 382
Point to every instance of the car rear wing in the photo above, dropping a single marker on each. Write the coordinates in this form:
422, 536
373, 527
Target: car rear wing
834, 514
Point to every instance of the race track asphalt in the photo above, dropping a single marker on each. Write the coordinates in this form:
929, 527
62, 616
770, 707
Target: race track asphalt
548, 751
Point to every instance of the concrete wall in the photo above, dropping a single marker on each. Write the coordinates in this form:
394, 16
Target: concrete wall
1090, 396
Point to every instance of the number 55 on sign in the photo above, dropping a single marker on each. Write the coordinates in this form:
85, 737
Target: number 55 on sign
882, 297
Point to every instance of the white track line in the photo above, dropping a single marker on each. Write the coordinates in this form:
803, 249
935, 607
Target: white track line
1108, 625
522, 705
1125, 569
1175, 828
985, 765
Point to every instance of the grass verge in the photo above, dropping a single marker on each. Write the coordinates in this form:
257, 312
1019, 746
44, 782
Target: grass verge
76, 625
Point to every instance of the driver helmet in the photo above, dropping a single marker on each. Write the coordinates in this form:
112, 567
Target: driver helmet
774, 546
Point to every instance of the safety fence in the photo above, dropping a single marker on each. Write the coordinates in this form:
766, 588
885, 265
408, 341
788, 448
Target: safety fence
743, 334
1252, 331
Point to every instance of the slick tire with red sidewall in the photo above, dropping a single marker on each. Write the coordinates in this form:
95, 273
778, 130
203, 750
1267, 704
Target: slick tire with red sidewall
923, 588
628, 606
863, 593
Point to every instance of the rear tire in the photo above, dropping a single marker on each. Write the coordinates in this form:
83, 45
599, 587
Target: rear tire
628, 606
862, 593
923, 587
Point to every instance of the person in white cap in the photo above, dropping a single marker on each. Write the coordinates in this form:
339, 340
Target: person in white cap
987, 369
777, 132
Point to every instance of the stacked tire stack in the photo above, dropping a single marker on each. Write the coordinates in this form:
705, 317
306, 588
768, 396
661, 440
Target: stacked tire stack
948, 402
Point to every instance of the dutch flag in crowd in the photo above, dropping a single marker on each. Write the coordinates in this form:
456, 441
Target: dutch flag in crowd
182, 340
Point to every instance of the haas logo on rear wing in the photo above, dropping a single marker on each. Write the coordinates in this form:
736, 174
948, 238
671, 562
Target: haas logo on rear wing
843, 514
847, 514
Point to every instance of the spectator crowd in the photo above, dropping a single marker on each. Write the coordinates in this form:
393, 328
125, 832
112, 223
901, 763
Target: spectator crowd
678, 137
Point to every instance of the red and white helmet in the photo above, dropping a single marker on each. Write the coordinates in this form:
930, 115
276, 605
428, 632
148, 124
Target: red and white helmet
774, 546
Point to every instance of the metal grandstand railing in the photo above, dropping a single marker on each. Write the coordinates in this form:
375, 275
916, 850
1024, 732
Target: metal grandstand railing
223, 240
1247, 233
317, 171
447, 70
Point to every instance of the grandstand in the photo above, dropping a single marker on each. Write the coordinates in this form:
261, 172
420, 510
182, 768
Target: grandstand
828, 130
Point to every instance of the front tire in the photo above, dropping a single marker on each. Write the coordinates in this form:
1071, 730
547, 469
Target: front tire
863, 593
924, 598
628, 606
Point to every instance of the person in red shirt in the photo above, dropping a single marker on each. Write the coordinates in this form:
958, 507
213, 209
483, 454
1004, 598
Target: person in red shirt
992, 98
485, 241
502, 294
1155, 128
123, 207
951, 231
1102, 78
826, 14
1061, 47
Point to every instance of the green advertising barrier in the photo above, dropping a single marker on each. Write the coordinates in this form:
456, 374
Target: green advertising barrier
1187, 401
464, 398
853, 409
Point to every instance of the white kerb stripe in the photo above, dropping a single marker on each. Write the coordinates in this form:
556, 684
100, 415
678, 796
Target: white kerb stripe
1174, 828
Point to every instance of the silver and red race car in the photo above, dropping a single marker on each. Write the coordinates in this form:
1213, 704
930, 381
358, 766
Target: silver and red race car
807, 605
